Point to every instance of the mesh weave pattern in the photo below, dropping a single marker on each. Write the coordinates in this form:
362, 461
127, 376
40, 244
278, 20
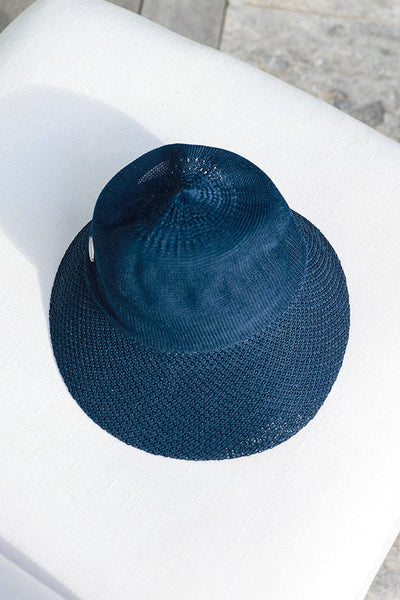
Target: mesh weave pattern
219, 404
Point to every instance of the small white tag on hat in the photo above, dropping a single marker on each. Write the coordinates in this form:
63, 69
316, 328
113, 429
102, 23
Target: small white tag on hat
91, 249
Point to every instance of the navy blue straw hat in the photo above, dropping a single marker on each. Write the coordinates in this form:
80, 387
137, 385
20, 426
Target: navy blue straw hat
197, 316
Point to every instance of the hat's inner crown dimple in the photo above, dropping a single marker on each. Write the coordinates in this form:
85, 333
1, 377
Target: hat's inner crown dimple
186, 208
188, 204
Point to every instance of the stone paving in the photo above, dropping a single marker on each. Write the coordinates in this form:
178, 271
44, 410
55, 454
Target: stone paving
346, 54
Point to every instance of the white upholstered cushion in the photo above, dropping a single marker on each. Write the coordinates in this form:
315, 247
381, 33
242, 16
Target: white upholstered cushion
86, 87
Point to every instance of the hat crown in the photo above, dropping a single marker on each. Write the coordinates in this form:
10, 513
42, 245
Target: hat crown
195, 248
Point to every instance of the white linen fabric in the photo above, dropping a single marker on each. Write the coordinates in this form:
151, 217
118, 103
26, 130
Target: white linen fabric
17, 584
86, 87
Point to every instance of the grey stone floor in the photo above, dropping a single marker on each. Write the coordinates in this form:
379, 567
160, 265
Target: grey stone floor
344, 51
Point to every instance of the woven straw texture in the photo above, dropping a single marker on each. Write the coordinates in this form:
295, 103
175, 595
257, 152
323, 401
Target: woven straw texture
204, 405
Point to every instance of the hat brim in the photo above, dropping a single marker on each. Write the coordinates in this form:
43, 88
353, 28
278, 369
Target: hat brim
218, 404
